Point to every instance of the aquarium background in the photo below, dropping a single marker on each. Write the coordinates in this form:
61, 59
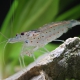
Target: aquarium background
23, 15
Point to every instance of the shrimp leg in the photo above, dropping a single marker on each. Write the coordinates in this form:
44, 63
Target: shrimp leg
27, 51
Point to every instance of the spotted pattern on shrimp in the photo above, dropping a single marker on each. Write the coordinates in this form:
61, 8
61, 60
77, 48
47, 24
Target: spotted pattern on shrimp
42, 36
45, 34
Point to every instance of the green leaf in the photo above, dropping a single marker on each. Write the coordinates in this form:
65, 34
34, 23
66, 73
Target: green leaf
73, 13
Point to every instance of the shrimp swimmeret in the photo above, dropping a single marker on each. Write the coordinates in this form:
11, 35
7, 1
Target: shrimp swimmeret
42, 36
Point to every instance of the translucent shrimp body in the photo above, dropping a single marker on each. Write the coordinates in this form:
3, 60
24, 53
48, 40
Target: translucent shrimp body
42, 36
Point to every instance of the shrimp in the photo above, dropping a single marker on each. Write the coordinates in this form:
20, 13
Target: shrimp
42, 36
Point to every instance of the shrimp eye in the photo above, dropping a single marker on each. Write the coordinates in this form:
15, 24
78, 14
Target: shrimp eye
22, 33
16, 34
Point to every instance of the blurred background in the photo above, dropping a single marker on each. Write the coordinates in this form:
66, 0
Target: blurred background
23, 15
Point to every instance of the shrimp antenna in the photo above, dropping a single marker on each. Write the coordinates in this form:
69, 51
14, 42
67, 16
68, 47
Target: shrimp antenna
3, 51
3, 35
4, 46
3, 42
